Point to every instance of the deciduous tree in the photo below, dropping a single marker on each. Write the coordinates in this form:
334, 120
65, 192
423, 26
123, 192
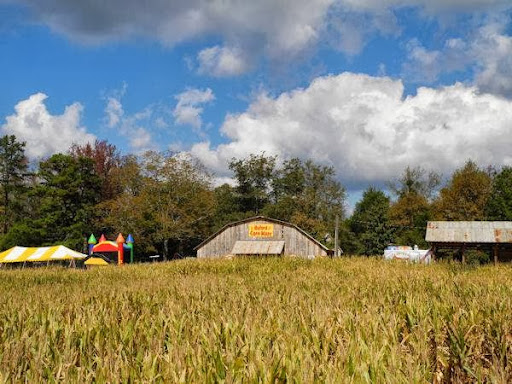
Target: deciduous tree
106, 159
499, 205
253, 176
466, 195
410, 212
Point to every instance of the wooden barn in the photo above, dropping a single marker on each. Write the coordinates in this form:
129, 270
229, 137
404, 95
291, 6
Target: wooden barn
261, 236
494, 237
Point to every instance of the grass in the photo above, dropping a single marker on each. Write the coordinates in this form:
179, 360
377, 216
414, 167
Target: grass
258, 320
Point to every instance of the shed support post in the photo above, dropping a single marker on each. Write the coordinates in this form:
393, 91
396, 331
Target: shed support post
433, 253
462, 256
496, 254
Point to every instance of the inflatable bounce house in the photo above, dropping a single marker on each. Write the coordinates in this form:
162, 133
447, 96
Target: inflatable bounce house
107, 252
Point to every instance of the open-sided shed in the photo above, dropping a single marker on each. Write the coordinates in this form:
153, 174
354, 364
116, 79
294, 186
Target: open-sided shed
261, 236
494, 236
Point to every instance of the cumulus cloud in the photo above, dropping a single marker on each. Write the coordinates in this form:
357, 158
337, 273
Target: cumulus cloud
367, 130
44, 133
114, 111
488, 52
140, 139
133, 125
432, 6
286, 26
188, 110
146, 128
276, 30
422, 65
493, 48
222, 61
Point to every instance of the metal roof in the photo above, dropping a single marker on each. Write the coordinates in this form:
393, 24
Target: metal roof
469, 232
259, 247
262, 218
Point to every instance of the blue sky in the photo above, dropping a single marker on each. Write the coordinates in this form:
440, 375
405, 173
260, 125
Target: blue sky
366, 86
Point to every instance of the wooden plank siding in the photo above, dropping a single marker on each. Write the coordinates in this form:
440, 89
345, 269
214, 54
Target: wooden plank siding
296, 241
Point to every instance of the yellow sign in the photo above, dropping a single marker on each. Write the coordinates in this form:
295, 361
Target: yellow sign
261, 230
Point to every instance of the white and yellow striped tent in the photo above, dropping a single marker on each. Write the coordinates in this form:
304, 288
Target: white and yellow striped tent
24, 254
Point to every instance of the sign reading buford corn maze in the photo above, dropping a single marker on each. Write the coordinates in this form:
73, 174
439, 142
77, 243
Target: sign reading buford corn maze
261, 230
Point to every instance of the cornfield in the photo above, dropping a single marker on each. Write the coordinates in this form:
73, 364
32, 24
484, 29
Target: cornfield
258, 320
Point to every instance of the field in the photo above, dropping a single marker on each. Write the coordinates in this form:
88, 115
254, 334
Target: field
258, 320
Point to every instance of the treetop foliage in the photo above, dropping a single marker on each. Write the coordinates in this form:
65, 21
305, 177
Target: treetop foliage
170, 203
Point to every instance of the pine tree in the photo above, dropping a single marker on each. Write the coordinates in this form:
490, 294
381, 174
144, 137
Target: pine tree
13, 172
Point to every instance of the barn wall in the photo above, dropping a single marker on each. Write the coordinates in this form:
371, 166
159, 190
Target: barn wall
296, 243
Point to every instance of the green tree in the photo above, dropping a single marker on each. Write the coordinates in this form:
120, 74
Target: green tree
127, 211
322, 199
370, 222
226, 207
69, 190
178, 193
288, 186
412, 209
308, 195
166, 202
466, 195
66, 194
499, 204
253, 176
409, 216
106, 159
13, 173
304, 193
416, 181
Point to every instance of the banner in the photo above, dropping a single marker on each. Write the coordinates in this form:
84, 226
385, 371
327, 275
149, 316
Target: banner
261, 230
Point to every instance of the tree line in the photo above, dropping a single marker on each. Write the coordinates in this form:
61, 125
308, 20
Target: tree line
169, 201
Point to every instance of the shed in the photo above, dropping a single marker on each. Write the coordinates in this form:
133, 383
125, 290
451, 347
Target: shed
494, 236
261, 236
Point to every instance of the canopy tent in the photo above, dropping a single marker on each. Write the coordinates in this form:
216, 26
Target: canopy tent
55, 253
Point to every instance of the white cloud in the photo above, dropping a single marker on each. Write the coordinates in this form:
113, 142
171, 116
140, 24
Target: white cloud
350, 27
275, 29
222, 61
367, 130
287, 26
488, 53
423, 65
114, 109
140, 139
494, 52
114, 112
188, 110
44, 133
432, 6
132, 125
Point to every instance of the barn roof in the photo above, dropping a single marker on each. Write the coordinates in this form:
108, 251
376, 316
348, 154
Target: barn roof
469, 232
263, 218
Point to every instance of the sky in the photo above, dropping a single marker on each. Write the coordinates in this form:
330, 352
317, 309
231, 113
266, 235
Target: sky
366, 86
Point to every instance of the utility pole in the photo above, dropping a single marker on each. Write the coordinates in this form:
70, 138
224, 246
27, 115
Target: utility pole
336, 254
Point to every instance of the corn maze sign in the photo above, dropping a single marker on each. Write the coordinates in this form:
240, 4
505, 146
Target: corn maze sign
261, 230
